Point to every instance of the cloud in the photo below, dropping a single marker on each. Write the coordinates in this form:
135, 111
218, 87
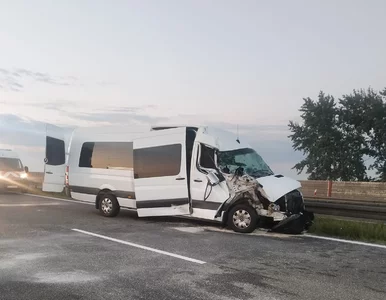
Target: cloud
14, 79
124, 116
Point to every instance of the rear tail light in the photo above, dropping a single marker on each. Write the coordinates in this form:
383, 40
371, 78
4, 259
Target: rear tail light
66, 175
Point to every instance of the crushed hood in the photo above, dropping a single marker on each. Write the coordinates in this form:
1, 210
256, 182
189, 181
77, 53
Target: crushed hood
276, 186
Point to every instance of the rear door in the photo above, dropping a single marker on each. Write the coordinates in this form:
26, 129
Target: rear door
55, 160
160, 175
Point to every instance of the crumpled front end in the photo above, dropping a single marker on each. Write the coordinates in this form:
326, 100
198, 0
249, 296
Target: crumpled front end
288, 213
297, 218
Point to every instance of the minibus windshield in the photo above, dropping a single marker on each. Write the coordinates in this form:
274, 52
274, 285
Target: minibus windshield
10, 164
248, 159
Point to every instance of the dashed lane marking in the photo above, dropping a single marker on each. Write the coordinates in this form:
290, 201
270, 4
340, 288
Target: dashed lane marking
344, 241
30, 204
140, 246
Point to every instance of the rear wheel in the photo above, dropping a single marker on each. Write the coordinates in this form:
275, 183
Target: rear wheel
108, 205
242, 218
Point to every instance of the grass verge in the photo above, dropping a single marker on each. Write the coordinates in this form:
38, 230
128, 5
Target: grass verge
349, 229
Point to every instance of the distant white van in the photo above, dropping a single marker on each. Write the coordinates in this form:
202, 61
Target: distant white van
13, 175
200, 172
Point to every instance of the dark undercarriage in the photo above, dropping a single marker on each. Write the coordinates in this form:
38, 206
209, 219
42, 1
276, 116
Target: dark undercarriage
298, 218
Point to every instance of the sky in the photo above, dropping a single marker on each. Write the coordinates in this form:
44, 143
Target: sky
223, 63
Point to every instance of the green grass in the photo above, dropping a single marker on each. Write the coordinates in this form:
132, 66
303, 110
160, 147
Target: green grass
349, 229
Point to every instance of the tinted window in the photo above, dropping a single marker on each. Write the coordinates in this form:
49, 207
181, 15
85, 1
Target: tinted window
157, 161
85, 155
55, 153
207, 157
106, 155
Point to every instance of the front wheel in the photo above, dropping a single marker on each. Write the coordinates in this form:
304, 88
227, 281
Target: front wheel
242, 218
108, 205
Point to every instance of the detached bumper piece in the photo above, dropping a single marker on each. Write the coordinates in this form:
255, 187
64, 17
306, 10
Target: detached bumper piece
294, 224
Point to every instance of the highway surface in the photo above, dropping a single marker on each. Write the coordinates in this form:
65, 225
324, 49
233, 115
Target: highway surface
56, 249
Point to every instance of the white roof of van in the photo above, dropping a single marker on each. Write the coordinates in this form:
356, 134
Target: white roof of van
8, 153
225, 140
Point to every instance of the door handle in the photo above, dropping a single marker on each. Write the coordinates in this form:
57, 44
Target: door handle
197, 180
180, 178
49, 173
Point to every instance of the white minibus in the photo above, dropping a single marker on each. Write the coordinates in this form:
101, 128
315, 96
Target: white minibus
200, 172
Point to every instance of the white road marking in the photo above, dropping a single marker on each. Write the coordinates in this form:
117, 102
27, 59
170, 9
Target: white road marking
265, 233
257, 232
190, 229
141, 247
345, 241
60, 199
261, 233
29, 204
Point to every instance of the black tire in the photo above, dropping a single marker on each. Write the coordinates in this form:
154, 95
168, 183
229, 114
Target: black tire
242, 218
108, 205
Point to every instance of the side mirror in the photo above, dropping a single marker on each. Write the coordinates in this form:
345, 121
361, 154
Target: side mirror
26, 169
212, 178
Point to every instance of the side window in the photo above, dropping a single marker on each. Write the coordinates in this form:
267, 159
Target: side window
120, 155
86, 155
55, 152
106, 155
157, 161
207, 158
101, 155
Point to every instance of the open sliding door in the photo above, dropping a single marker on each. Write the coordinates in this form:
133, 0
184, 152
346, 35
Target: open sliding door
160, 175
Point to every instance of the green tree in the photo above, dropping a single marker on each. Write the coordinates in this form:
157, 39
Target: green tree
317, 137
331, 151
363, 117
336, 137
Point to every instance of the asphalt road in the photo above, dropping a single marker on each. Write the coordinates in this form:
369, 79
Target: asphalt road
42, 257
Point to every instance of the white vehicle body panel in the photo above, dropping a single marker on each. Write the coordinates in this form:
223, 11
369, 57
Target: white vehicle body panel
55, 160
185, 194
85, 183
198, 182
277, 186
161, 195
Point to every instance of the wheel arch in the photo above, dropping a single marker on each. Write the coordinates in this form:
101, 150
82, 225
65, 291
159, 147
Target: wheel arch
100, 194
242, 200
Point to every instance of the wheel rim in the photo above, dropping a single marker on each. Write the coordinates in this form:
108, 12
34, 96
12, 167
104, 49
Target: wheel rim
107, 205
242, 219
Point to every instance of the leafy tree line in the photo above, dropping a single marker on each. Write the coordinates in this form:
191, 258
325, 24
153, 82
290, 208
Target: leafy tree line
342, 139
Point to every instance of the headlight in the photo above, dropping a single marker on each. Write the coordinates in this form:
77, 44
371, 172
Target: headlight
23, 175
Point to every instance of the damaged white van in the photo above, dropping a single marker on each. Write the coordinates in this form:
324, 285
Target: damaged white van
200, 172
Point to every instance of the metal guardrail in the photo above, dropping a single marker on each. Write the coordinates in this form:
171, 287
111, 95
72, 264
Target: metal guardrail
355, 208
371, 210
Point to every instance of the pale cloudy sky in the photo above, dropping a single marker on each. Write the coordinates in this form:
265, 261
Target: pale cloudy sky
92, 63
